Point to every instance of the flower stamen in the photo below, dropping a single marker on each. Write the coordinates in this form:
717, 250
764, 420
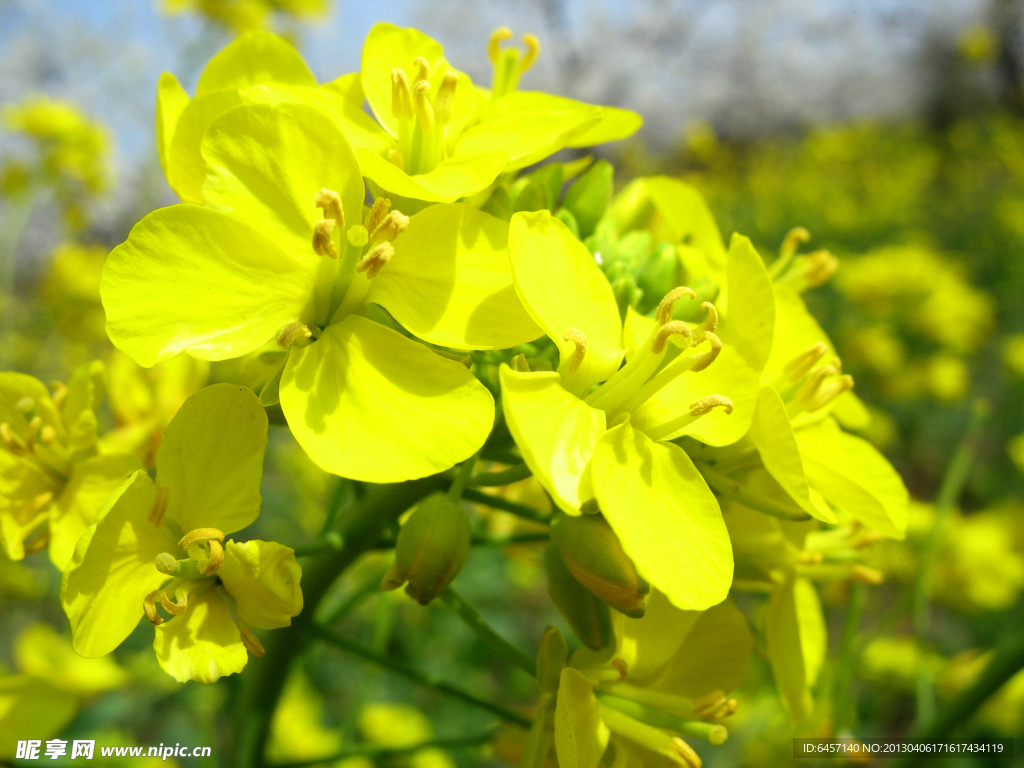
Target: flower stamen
580, 340
330, 202
149, 606
375, 259
667, 331
664, 312
323, 239
378, 211
293, 332
698, 408
200, 536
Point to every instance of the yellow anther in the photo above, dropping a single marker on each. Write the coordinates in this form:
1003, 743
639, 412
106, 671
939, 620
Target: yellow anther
396, 159
14, 443
39, 543
390, 227
292, 333
422, 70
821, 265
532, 51
323, 238
444, 102
175, 608
156, 515
494, 42
578, 338
708, 357
421, 105
375, 259
401, 97
667, 331
685, 754
378, 211
809, 388
330, 202
704, 706
167, 564
216, 559
709, 325
249, 640
47, 435
791, 243
25, 405
199, 536
664, 313
706, 404
829, 391
60, 393
865, 575
801, 365
149, 606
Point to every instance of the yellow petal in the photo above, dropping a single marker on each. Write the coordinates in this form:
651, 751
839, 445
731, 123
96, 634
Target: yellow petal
189, 279
171, 100
42, 652
31, 708
615, 124
796, 638
113, 569
263, 578
773, 435
450, 283
203, 643
649, 643
667, 519
90, 486
556, 432
686, 218
211, 459
368, 403
255, 58
581, 736
185, 167
562, 287
454, 178
854, 477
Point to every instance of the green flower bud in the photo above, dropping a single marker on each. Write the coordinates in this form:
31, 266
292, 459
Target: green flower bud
552, 657
588, 197
661, 272
533, 197
589, 617
499, 204
626, 294
592, 553
431, 550
569, 220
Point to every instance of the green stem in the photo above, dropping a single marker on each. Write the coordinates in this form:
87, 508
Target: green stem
329, 542
845, 704
370, 586
264, 679
421, 678
375, 750
511, 475
484, 631
949, 495
462, 475
1006, 662
734, 491
513, 507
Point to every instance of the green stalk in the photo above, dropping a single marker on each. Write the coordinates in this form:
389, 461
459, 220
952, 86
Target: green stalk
484, 631
949, 495
845, 702
1006, 662
462, 475
511, 475
264, 679
421, 678
375, 750
513, 507
734, 491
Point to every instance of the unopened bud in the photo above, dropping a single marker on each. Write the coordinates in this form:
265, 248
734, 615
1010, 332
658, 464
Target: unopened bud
592, 553
552, 657
589, 617
432, 547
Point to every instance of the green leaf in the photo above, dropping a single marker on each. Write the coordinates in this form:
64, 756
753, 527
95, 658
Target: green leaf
113, 569
211, 459
366, 402
562, 287
190, 279
450, 282
255, 58
796, 638
454, 178
854, 477
665, 516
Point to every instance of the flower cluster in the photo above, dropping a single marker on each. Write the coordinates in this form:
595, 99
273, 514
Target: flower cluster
422, 289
